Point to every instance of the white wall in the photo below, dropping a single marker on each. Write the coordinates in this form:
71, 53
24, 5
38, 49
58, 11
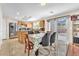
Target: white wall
46, 26
73, 12
1, 27
4, 28
4, 25
8, 20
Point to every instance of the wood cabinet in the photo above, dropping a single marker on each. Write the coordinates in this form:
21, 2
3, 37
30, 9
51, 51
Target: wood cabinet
27, 24
73, 50
37, 25
42, 23
21, 36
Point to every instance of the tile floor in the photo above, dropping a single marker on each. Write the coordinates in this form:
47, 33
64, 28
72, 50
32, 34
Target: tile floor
11, 47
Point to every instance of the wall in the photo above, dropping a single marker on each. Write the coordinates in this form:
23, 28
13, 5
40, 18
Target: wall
4, 26
46, 26
8, 20
72, 12
1, 26
11, 20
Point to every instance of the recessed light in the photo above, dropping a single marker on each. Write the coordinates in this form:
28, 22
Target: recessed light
28, 16
43, 4
18, 13
16, 17
51, 11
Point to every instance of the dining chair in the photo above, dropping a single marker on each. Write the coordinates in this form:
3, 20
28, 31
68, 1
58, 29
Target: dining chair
52, 42
52, 38
28, 45
49, 41
24, 39
44, 43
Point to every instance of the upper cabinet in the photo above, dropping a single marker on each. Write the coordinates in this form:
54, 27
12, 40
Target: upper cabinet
27, 24
39, 24
42, 23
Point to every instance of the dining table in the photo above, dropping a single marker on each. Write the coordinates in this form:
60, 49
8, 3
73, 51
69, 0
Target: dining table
36, 39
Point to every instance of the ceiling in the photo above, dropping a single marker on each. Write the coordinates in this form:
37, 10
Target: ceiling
35, 10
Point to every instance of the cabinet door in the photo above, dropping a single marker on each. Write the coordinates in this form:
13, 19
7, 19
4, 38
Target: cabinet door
42, 23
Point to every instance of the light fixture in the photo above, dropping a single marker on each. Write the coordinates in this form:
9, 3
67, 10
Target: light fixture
18, 13
51, 12
43, 4
34, 18
16, 17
